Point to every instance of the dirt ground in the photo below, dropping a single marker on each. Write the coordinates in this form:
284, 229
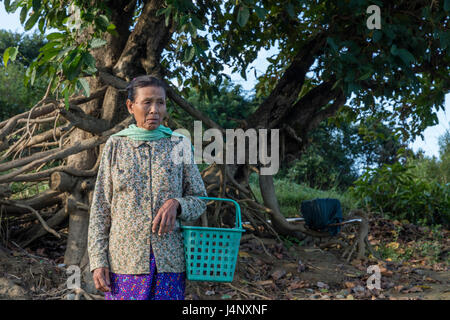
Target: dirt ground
322, 274
265, 270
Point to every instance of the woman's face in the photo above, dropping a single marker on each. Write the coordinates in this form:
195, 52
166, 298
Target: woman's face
149, 107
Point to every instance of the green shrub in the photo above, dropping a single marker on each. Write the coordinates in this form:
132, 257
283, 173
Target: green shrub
396, 191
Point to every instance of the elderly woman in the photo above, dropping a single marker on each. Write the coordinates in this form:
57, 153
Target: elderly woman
135, 242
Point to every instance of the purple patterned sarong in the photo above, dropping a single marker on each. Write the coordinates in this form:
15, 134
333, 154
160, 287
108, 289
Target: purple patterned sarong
152, 286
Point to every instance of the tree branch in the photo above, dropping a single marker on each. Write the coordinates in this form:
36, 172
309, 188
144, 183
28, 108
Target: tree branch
272, 110
57, 154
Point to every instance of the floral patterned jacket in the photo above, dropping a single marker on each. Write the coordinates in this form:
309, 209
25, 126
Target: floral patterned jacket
134, 180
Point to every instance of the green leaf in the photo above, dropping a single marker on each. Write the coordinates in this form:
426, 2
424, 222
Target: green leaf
244, 74
405, 55
23, 14
192, 30
166, 21
10, 54
162, 11
36, 5
111, 27
11, 7
50, 45
336, 84
63, 52
33, 76
72, 65
394, 49
199, 49
90, 62
377, 34
102, 22
54, 36
112, 30
260, 12
243, 15
290, 10
49, 54
197, 23
447, 5
74, 68
85, 85
96, 43
66, 97
32, 21
7, 5
41, 25
365, 76
333, 45
444, 38
189, 54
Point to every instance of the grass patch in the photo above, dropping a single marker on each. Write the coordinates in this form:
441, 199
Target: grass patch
290, 195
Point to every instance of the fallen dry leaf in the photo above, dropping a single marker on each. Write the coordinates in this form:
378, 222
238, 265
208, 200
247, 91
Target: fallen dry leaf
244, 254
277, 274
297, 285
264, 282
278, 255
386, 272
351, 275
349, 284
424, 287
398, 288
393, 245
322, 285
413, 290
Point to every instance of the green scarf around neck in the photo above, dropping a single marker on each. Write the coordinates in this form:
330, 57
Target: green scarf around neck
137, 133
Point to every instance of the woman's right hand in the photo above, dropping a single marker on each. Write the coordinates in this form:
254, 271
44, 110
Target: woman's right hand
101, 279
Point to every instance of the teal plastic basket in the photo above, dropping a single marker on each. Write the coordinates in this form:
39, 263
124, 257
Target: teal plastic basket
211, 253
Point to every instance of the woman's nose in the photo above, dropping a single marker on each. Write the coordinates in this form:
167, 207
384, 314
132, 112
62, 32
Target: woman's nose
153, 108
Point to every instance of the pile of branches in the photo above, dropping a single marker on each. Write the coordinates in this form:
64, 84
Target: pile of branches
34, 147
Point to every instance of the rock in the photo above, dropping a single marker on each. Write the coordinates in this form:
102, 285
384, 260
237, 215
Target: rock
301, 267
340, 296
344, 292
358, 289
322, 285
70, 296
11, 291
419, 272
387, 285
278, 273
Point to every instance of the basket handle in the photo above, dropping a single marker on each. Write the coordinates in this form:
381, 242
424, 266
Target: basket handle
238, 209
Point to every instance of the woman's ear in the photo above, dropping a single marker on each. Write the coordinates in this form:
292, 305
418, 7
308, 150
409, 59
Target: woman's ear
129, 106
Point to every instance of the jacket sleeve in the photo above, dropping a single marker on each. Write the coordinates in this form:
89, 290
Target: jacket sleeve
193, 187
100, 212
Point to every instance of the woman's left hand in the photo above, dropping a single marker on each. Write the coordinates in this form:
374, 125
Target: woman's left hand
166, 217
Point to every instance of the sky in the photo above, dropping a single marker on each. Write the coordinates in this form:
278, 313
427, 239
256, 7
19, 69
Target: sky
429, 144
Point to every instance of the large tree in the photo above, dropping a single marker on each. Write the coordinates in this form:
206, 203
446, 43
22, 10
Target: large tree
327, 55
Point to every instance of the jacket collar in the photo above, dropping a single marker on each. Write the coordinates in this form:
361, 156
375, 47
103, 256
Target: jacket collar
138, 143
